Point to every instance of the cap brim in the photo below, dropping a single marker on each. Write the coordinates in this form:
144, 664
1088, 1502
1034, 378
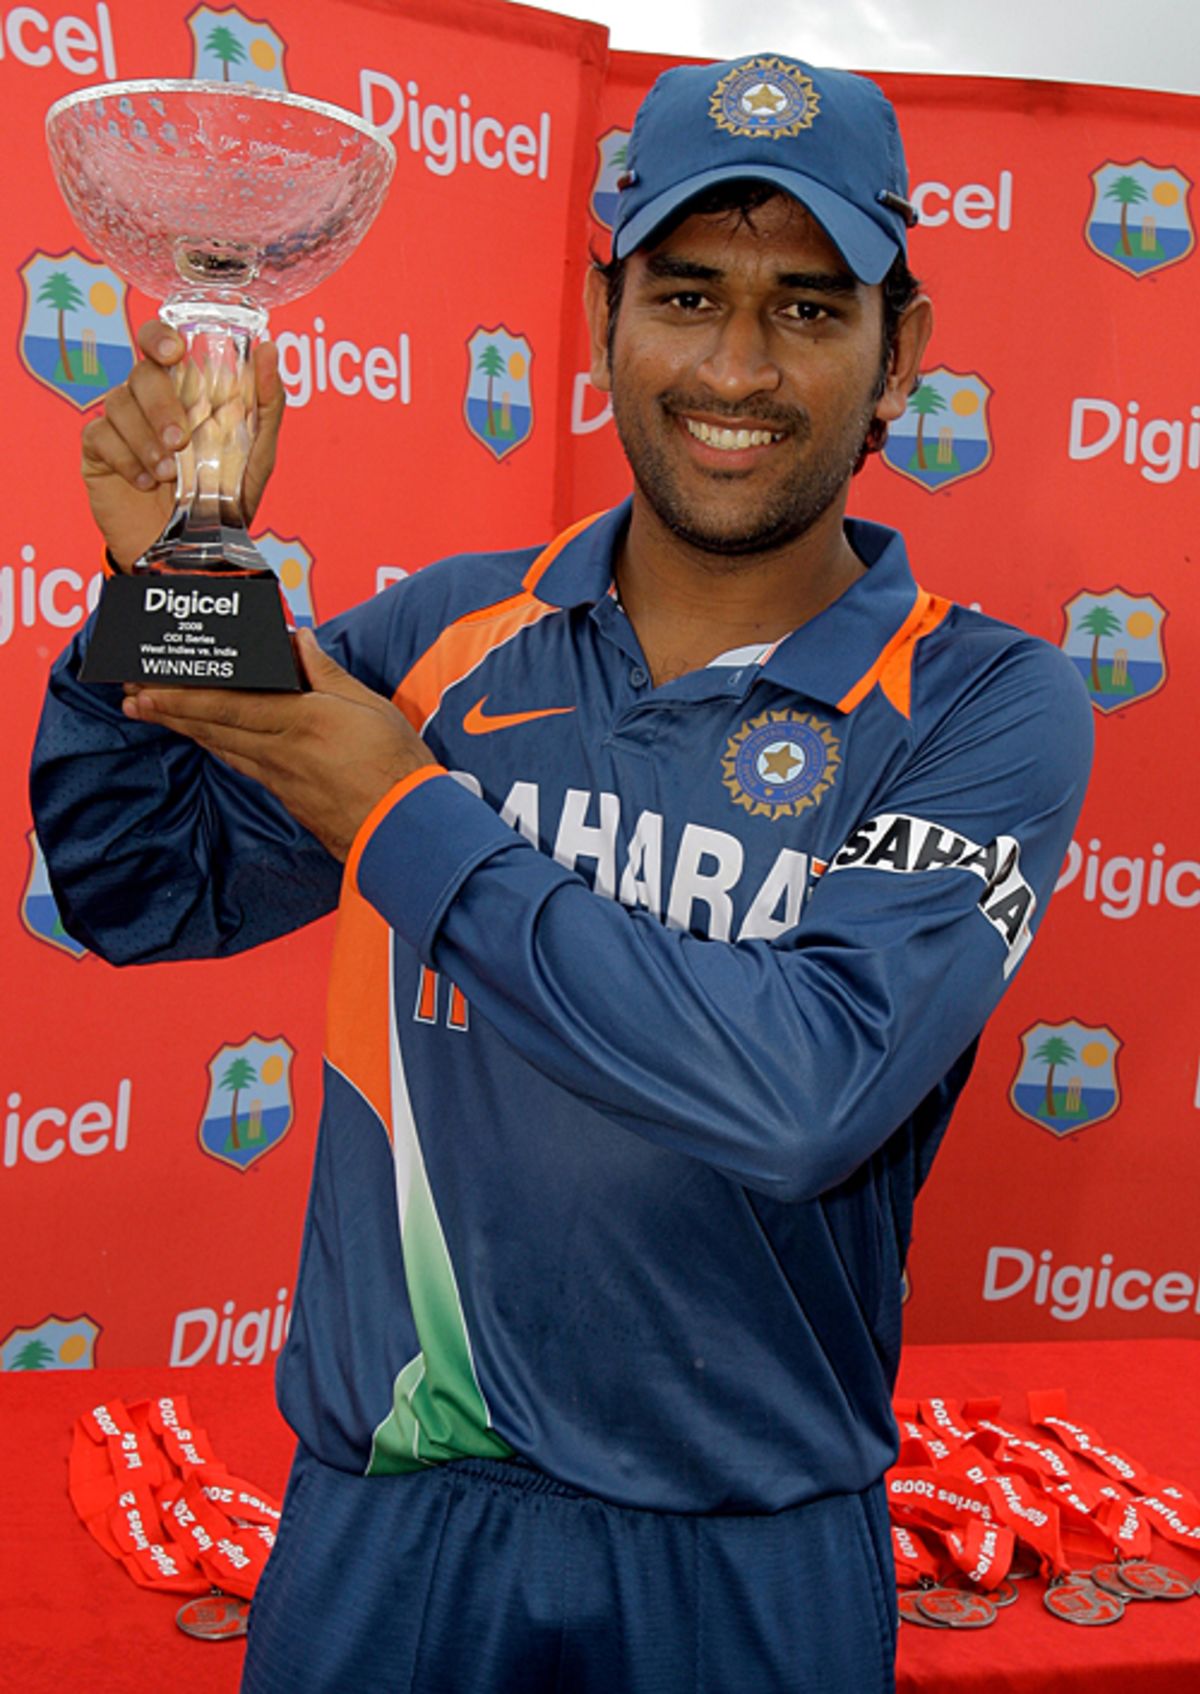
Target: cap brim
868, 249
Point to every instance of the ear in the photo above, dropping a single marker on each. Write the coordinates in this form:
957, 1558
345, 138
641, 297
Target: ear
595, 303
912, 337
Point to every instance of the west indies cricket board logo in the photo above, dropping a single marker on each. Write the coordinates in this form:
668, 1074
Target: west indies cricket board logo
498, 405
228, 46
75, 337
39, 908
292, 563
249, 1108
613, 151
1114, 640
1139, 218
943, 435
1067, 1079
54, 1344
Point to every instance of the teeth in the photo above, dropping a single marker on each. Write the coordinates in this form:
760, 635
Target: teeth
730, 439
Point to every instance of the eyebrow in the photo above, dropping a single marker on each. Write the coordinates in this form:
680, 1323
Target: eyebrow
664, 266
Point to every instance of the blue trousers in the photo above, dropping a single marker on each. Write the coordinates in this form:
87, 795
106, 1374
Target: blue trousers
481, 1577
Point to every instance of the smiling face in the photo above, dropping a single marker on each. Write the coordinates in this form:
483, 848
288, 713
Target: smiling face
746, 364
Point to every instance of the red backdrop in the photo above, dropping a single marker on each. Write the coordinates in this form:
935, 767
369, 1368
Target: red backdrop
1046, 473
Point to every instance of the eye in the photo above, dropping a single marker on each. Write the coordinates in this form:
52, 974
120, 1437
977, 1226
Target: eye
809, 311
687, 300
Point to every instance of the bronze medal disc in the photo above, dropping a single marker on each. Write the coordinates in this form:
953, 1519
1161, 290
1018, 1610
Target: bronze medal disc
1082, 1602
957, 1608
214, 1617
1155, 1582
910, 1612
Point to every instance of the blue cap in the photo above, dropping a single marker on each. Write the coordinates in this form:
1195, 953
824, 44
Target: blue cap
828, 138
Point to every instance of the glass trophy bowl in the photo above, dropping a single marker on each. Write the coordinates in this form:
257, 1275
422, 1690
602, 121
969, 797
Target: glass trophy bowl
221, 200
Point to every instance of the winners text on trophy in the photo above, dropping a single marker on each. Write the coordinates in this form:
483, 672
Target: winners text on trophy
221, 200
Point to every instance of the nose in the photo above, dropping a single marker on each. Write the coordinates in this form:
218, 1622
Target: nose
739, 362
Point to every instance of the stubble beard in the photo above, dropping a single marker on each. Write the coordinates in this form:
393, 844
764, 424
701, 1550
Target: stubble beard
786, 515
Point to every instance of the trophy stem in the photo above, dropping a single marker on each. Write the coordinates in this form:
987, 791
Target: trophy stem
215, 383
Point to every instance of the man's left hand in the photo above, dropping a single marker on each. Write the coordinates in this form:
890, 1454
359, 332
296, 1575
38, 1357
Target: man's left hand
330, 755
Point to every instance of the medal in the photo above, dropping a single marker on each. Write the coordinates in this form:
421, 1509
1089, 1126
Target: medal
910, 1611
1108, 1577
215, 1617
1154, 1582
1076, 1600
957, 1608
1006, 1594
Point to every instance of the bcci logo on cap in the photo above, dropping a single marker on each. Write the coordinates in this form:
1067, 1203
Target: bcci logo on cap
764, 97
779, 764
228, 47
76, 337
1139, 219
1067, 1078
1114, 640
249, 1107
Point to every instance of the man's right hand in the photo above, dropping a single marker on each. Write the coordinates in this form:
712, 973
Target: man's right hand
129, 453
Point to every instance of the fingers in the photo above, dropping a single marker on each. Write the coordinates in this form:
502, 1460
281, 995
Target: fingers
271, 402
144, 422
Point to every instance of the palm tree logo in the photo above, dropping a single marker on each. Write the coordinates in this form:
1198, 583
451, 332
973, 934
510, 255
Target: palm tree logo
944, 435
1067, 1078
1114, 640
245, 49
76, 337
54, 1344
498, 404
224, 45
612, 161
1139, 219
237, 1128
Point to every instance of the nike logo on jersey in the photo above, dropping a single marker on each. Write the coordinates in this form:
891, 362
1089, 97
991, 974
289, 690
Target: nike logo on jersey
476, 723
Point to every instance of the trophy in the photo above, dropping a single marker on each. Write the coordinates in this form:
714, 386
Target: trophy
221, 200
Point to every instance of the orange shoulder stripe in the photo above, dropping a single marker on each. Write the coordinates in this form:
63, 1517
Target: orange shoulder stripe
465, 643
892, 670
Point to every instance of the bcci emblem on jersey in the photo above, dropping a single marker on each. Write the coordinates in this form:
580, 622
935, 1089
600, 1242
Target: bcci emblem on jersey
229, 47
764, 97
1114, 640
54, 1344
249, 1107
943, 435
1139, 219
779, 764
1067, 1078
498, 405
75, 338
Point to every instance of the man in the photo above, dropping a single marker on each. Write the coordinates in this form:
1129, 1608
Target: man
599, 1305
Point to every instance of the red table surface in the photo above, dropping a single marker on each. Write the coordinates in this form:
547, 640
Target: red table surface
73, 1620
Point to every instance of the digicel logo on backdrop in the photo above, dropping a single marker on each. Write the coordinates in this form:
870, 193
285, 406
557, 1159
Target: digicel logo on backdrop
31, 38
451, 136
1070, 1292
32, 594
1159, 447
313, 363
38, 1135
196, 1333
1123, 885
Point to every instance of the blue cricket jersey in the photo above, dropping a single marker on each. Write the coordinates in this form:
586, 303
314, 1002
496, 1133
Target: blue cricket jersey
648, 1008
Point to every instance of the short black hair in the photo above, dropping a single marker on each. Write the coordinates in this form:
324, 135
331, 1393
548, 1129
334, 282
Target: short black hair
744, 196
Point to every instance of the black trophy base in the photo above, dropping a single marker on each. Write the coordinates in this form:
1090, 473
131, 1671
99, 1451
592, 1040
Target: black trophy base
192, 630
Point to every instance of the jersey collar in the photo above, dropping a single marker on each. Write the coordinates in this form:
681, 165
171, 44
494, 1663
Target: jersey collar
826, 658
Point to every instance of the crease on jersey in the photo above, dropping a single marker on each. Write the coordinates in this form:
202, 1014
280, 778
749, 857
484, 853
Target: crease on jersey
438, 1407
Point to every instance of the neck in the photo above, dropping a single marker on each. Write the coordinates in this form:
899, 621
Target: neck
688, 605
